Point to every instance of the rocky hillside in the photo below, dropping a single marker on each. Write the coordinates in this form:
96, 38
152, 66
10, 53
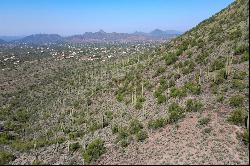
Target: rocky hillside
185, 102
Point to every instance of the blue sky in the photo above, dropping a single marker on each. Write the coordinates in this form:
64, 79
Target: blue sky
66, 17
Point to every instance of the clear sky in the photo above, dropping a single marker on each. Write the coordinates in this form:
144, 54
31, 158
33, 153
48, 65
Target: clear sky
66, 17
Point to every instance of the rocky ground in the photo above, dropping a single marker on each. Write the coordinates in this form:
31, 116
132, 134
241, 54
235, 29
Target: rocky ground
187, 143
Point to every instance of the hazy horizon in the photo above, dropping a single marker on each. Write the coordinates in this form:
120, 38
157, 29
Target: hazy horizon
64, 17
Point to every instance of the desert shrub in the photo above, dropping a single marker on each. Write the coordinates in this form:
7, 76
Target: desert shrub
141, 135
22, 115
238, 116
158, 92
109, 115
135, 126
178, 64
94, 150
176, 112
238, 84
176, 76
204, 120
161, 99
217, 64
177, 92
193, 88
202, 59
220, 77
74, 146
122, 133
120, 97
193, 105
124, 142
115, 129
188, 67
94, 126
241, 49
159, 71
236, 101
37, 162
6, 138
214, 88
245, 136
170, 59
141, 99
241, 75
156, 123
6, 157
220, 98
207, 130
163, 82
244, 57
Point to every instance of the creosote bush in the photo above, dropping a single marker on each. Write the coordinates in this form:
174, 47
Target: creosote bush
141, 135
238, 116
193, 105
94, 150
157, 123
135, 126
176, 112
236, 101
6, 157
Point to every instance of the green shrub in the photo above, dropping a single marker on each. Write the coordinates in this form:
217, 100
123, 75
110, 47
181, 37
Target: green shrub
161, 99
220, 77
94, 126
193, 105
245, 57
220, 98
207, 130
170, 59
138, 105
141, 99
37, 162
124, 142
176, 112
238, 116
245, 136
188, 67
193, 88
122, 133
156, 123
74, 146
141, 135
120, 97
204, 120
115, 129
6, 138
158, 92
241, 75
6, 157
175, 92
94, 150
22, 115
238, 84
214, 88
109, 115
159, 71
236, 101
135, 126
217, 64
241, 49
202, 59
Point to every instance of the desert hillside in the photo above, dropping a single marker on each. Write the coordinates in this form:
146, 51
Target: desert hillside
185, 101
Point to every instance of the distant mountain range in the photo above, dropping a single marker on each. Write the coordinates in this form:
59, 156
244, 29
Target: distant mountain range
100, 36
